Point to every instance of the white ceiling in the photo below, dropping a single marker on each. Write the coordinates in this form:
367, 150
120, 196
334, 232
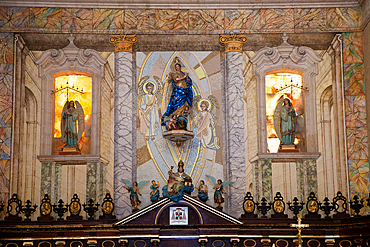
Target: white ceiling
184, 4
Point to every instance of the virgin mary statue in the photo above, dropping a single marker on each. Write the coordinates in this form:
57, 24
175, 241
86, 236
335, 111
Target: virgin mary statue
181, 96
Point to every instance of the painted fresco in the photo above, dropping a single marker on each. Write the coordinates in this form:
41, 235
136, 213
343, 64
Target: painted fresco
77, 19
175, 21
202, 154
355, 112
6, 108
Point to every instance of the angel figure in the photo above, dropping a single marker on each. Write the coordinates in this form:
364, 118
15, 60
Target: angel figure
154, 194
133, 188
202, 191
205, 120
149, 98
284, 121
219, 190
72, 112
182, 92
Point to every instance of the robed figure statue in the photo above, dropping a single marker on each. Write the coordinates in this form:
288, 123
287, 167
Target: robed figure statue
178, 183
72, 115
285, 122
182, 94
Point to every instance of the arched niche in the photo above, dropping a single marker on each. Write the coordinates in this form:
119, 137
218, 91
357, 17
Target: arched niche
81, 84
70, 58
286, 56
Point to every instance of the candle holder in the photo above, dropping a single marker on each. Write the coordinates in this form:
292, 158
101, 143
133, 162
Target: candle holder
28, 210
60, 209
264, 207
90, 209
326, 207
356, 205
296, 207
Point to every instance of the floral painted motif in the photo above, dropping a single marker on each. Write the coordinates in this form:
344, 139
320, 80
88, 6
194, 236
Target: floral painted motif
277, 19
353, 48
355, 111
14, 17
310, 19
245, 19
343, 17
357, 144
75, 19
108, 19
354, 79
206, 19
359, 176
50, 18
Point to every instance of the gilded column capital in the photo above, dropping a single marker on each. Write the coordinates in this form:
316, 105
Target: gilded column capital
123, 42
233, 42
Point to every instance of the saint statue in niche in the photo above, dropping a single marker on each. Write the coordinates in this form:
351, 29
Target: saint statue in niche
205, 113
284, 122
72, 125
181, 98
150, 94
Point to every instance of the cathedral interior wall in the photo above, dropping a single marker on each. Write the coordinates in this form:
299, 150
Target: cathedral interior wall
278, 175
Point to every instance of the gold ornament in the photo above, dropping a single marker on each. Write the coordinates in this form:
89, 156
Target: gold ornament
123, 42
233, 42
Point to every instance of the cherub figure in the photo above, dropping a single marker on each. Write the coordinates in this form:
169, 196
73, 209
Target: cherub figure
133, 188
202, 191
154, 194
219, 190
172, 122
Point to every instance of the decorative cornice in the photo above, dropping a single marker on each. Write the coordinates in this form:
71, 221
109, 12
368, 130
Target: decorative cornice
284, 53
70, 55
123, 42
233, 42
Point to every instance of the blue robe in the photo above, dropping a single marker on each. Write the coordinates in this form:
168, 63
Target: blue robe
201, 194
178, 98
287, 126
154, 195
70, 131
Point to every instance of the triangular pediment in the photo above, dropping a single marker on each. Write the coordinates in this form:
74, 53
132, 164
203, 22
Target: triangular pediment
195, 211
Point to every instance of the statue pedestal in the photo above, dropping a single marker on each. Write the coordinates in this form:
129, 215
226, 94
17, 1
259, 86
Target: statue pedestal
178, 136
70, 151
288, 149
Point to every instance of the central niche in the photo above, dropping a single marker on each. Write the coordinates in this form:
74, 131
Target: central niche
202, 155
285, 131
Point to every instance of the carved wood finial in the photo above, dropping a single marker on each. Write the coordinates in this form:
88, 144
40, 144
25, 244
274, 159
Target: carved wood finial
123, 42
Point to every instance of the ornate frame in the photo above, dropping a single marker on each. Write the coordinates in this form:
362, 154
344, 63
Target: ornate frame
287, 56
70, 58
